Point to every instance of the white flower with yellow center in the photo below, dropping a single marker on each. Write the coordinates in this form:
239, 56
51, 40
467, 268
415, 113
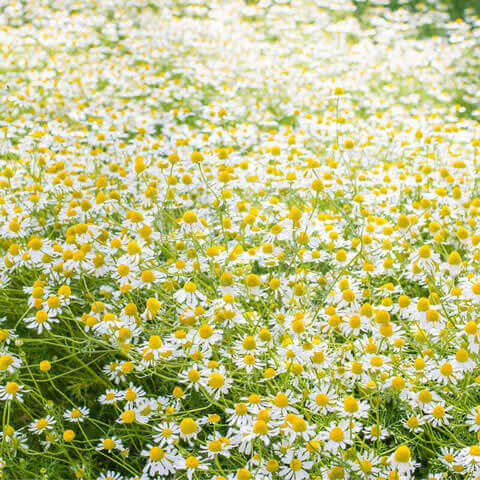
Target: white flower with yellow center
160, 461
401, 460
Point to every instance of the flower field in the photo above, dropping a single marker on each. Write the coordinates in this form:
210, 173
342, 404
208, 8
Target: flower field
238, 241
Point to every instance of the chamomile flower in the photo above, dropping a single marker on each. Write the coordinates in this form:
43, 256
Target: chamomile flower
297, 466
336, 436
376, 432
132, 395
415, 423
239, 415
220, 265
76, 415
160, 462
473, 419
110, 443
166, 433
298, 427
438, 415
367, 465
191, 378
283, 403
453, 459
110, 397
12, 391
323, 400
249, 363
110, 475
401, 460
263, 429
189, 429
192, 465
354, 408
189, 294
471, 456
217, 444
217, 383
41, 321
42, 425
444, 373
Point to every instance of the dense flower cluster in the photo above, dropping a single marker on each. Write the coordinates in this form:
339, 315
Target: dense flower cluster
238, 242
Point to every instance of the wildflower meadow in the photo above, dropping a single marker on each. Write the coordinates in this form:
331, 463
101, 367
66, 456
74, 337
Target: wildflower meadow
239, 240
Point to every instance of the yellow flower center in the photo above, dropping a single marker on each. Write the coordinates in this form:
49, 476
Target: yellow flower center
128, 416
348, 296
154, 342
192, 462
215, 446
438, 411
471, 328
42, 423
272, 466
123, 270
321, 399
190, 287
194, 375
424, 252
249, 359
205, 331
281, 400
216, 380
260, 427
156, 454
446, 369
461, 355
299, 425
376, 361
240, 408
402, 454
12, 388
190, 217
413, 422
336, 434
41, 316
130, 395
296, 464
188, 426
108, 444
365, 466
243, 474
425, 396
475, 450
350, 404
249, 343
